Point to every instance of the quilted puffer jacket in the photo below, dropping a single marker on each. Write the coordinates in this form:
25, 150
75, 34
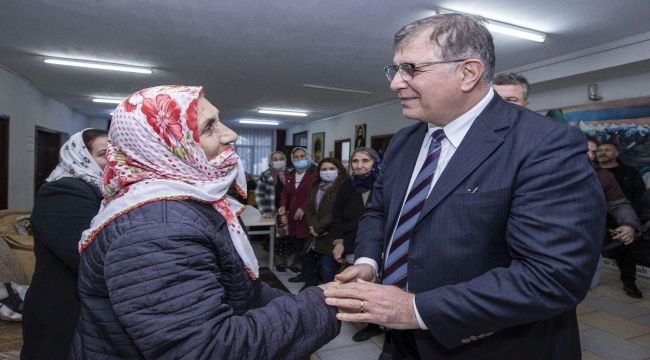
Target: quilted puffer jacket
164, 281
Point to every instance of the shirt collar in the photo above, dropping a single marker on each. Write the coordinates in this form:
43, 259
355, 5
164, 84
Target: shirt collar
455, 131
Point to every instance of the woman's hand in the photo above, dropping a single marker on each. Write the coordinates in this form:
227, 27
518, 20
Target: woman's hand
299, 214
337, 253
313, 232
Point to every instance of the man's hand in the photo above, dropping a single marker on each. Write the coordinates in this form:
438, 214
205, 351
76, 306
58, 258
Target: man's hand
362, 301
624, 233
360, 271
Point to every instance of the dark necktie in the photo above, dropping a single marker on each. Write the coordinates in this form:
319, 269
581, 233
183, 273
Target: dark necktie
397, 259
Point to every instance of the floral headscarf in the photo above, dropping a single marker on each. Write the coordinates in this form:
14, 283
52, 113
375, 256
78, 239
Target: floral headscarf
76, 161
154, 154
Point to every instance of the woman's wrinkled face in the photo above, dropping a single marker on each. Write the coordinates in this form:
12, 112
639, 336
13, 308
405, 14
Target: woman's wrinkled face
98, 150
214, 137
299, 154
362, 163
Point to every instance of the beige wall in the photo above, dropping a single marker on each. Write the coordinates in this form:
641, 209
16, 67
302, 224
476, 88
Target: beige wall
28, 108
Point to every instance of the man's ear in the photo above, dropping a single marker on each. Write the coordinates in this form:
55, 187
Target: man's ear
471, 72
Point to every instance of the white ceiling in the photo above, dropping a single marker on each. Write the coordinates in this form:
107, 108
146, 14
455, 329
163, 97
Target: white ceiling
249, 54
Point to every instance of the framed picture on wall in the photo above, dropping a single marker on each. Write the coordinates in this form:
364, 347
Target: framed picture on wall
317, 146
300, 139
360, 136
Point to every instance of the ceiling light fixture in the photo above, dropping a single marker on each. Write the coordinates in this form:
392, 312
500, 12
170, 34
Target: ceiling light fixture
287, 112
107, 101
98, 65
506, 29
332, 88
259, 122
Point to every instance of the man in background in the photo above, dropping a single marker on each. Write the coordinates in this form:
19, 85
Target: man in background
512, 87
633, 187
622, 220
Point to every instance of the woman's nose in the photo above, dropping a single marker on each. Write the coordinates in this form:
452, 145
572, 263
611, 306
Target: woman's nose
228, 136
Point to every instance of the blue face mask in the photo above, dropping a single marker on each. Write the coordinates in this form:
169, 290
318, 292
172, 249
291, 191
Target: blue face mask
300, 164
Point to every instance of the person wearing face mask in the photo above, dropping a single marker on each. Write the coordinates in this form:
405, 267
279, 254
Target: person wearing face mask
167, 271
267, 195
293, 203
333, 177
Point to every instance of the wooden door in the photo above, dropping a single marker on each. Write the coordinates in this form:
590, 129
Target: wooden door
47, 143
380, 143
4, 161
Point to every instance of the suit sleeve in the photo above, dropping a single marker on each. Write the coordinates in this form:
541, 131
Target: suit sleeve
553, 233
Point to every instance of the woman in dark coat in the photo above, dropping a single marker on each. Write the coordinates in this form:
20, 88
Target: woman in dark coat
348, 208
63, 208
167, 271
332, 178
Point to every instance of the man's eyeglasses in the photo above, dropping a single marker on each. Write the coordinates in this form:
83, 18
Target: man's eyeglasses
407, 70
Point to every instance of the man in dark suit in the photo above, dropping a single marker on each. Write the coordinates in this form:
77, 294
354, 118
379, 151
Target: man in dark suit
504, 244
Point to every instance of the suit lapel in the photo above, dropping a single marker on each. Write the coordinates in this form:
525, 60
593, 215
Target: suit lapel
479, 142
408, 155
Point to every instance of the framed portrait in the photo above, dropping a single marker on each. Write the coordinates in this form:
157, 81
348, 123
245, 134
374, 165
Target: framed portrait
317, 146
360, 136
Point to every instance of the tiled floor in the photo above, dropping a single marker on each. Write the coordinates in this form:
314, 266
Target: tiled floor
613, 326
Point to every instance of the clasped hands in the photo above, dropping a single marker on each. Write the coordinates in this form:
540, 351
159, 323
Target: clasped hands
359, 299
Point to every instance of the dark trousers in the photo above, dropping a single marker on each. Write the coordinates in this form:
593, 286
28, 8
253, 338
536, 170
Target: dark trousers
626, 258
312, 261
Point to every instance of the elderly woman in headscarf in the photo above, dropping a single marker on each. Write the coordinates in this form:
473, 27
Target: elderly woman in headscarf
348, 208
63, 208
267, 197
167, 271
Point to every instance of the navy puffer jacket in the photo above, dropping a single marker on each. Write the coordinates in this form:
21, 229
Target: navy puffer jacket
164, 281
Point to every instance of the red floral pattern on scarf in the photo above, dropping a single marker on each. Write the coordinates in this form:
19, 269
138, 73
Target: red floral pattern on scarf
190, 116
163, 114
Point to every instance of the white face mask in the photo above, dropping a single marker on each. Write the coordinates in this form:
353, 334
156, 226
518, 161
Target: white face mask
329, 175
278, 165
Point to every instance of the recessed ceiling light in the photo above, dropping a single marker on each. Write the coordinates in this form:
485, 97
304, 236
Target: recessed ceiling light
505, 28
287, 112
98, 65
259, 122
107, 101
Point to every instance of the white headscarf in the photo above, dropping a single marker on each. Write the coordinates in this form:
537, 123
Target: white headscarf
154, 154
76, 161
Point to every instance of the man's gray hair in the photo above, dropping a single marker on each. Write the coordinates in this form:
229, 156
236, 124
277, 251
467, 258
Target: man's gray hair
457, 36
